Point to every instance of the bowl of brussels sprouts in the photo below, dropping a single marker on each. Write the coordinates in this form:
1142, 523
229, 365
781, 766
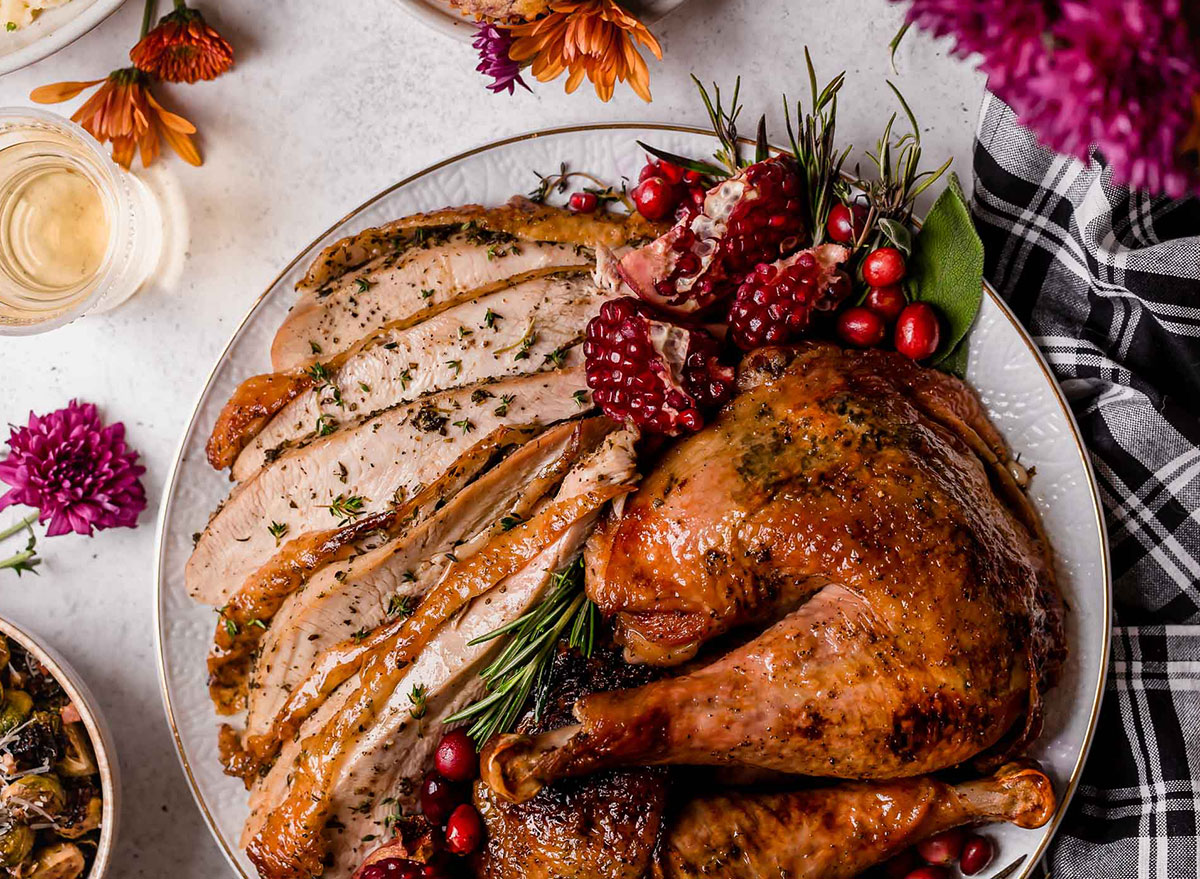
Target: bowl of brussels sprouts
58, 775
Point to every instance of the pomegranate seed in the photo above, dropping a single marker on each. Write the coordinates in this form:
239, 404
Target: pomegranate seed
751, 218
455, 757
860, 327
883, 267
845, 223
918, 331
631, 378
901, 865
464, 830
887, 302
436, 868
655, 198
440, 797
942, 849
977, 853
775, 302
929, 872
583, 202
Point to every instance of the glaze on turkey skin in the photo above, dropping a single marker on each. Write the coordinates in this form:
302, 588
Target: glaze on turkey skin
850, 501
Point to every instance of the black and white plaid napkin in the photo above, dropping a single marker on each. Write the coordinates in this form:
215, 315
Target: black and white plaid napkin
1108, 283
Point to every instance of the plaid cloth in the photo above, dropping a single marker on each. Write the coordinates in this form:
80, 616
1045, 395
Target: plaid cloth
1108, 283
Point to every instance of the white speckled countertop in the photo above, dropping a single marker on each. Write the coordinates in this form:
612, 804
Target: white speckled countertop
330, 103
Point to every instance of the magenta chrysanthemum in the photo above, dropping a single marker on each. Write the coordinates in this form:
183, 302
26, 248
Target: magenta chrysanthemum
493, 44
76, 471
1115, 75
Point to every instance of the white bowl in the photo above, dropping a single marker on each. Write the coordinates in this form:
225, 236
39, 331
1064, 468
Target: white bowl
101, 739
52, 30
444, 18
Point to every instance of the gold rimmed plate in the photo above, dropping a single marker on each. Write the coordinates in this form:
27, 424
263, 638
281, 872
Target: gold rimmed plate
1004, 365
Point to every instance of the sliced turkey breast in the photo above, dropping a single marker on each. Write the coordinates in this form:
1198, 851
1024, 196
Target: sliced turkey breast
417, 265
354, 771
364, 467
348, 600
515, 331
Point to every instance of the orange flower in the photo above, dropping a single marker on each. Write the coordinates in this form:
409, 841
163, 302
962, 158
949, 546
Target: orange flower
592, 38
125, 113
183, 48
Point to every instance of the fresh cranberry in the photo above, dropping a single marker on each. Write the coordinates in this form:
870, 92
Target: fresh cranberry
901, 865
942, 849
670, 172
883, 267
918, 331
845, 223
391, 868
692, 178
440, 797
860, 327
455, 757
655, 198
977, 853
650, 169
929, 872
464, 830
887, 302
583, 202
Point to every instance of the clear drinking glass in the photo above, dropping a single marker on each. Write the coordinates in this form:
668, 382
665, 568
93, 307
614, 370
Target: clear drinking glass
78, 234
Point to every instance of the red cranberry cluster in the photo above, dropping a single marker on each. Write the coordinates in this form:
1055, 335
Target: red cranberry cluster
446, 803
936, 857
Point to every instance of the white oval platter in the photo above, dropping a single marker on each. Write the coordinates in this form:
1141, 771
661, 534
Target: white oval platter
52, 30
1005, 367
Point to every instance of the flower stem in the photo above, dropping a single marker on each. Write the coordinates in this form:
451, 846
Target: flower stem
25, 560
19, 525
148, 16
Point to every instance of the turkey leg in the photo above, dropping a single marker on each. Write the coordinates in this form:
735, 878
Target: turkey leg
838, 832
830, 690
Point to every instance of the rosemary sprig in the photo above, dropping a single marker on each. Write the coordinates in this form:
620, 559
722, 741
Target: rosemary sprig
525, 659
813, 142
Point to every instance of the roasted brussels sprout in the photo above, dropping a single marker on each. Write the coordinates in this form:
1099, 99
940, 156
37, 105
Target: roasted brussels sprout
82, 813
32, 796
63, 860
38, 741
77, 759
16, 842
15, 709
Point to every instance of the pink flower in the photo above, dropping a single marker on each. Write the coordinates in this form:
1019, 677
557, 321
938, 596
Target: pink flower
1118, 76
77, 472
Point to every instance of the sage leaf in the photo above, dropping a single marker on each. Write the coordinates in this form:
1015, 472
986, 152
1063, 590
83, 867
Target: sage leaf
946, 268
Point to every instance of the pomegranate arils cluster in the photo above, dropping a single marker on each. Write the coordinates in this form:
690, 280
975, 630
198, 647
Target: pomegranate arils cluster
644, 368
753, 217
776, 302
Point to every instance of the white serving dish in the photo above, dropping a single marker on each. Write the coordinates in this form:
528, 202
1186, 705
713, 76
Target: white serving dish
52, 30
1014, 381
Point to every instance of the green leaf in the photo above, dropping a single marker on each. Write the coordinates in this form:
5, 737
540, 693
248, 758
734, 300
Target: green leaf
897, 235
946, 267
685, 163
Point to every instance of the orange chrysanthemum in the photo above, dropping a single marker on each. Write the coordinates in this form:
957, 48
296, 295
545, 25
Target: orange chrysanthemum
592, 38
183, 48
124, 112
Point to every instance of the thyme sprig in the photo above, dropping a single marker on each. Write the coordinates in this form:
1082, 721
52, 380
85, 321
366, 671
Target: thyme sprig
525, 659
549, 184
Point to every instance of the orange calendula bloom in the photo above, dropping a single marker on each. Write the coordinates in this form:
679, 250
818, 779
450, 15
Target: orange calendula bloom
124, 113
592, 38
183, 48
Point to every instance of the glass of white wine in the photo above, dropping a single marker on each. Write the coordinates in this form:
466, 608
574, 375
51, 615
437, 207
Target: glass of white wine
78, 234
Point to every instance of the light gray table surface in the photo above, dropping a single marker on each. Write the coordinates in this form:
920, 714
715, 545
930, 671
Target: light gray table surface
329, 103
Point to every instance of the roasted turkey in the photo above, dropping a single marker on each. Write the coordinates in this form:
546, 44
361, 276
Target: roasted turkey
852, 525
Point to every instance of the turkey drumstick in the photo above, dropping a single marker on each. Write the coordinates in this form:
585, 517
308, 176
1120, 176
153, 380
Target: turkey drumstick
838, 832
